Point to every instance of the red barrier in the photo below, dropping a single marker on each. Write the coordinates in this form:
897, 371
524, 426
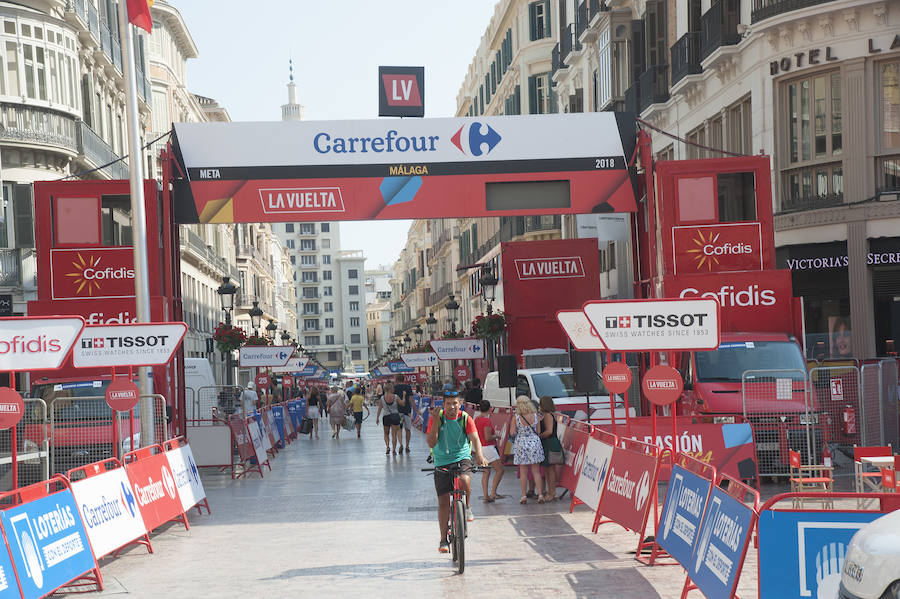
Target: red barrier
154, 487
187, 477
241, 439
269, 429
630, 488
574, 444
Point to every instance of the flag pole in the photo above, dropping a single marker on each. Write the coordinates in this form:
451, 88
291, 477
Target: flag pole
138, 211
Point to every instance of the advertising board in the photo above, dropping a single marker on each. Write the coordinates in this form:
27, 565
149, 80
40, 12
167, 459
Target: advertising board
723, 247
127, 344
256, 438
187, 476
722, 543
241, 438
458, 349
628, 490
574, 441
595, 465
8, 587
91, 272
12, 407
642, 325
109, 510
154, 489
682, 513
29, 343
47, 542
801, 553
292, 365
578, 329
401, 91
420, 359
262, 356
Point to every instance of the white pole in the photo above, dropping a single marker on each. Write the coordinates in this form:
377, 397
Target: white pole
138, 212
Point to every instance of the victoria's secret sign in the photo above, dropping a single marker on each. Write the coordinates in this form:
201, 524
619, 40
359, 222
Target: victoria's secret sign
882, 252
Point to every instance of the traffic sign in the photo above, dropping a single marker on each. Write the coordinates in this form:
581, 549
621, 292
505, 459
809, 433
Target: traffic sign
650, 324
579, 330
37, 343
262, 356
420, 359
617, 377
462, 372
662, 385
122, 395
458, 349
287, 381
293, 365
262, 381
11, 407
112, 345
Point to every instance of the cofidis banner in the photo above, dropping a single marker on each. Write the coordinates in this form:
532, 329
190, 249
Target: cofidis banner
401, 169
723, 537
48, 543
109, 509
682, 513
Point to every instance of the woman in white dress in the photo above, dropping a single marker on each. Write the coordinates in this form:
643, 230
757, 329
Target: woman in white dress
527, 451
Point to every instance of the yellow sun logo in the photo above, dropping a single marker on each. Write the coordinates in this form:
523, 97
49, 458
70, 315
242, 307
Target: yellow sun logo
81, 280
697, 252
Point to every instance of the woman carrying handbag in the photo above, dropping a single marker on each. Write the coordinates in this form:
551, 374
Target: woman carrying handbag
554, 456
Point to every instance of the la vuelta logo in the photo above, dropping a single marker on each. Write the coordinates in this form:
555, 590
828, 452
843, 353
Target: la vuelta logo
563, 267
717, 248
92, 273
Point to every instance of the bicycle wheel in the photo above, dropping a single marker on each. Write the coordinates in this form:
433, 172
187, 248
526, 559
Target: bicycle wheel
459, 535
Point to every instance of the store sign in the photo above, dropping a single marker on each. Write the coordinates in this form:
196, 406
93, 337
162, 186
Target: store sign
579, 330
458, 349
642, 325
91, 273
401, 91
564, 267
128, 345
717, 248
29, 343
263, 356
420, 359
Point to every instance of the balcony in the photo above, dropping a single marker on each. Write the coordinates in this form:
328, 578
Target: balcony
9, 268
556, 61
654, 86
246, 252
582, 19
812, 202
631, 98
193, 244
718, 26
440, 295
568, 43
763, 9
29, 125
97, 152
512, 227
306, 231
686, 57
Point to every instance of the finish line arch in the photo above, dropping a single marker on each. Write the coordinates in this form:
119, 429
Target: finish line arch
392, 169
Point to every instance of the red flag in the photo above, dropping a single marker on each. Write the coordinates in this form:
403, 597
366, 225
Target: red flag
139, 14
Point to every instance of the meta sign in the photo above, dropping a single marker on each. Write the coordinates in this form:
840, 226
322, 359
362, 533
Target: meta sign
401, 91
402, 169
641, 325
723, 536
48, 543
37, 343
686, 498
128, 345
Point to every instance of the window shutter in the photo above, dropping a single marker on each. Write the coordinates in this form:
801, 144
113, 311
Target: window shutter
546, 18
637, 50
532, 20
518, 106
552, 92
532, 95
23, 221
474, 236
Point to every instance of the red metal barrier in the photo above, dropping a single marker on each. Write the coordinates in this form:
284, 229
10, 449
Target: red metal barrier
574, 444
154, 487
175, 445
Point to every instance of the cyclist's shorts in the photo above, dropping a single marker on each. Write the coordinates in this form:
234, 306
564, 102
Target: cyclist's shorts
443, 481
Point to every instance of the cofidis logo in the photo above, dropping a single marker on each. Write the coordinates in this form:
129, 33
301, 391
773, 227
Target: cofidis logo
717, 248
92, 273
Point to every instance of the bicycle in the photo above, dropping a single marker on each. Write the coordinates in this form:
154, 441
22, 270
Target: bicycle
457, 527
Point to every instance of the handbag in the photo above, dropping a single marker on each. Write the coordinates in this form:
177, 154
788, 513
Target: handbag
555, 453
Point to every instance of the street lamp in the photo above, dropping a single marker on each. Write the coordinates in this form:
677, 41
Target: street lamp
418, 333
407, 340
226, 293
488, 286
270, 330
452, 308
285, 338
431, 323
255, 314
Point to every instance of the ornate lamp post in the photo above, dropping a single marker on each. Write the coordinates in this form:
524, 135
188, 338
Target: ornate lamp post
488, 293
226, 293
452, 308
255, 314
431, 323
271, 328
285, 338
418, 332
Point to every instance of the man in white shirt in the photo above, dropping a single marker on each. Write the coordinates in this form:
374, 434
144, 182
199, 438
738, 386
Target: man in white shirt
249, 399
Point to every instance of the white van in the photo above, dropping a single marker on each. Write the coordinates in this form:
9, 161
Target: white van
558, 383
198, 374
872, 563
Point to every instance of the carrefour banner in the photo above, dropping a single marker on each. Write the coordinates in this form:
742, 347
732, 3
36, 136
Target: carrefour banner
403, 169
48, 543
110, 510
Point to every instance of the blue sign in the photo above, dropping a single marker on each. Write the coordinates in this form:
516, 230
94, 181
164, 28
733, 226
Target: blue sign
278, 414
682, 513
48, 543
309, 370
8, 587
396, 367
801, 554
358, 368
723, 537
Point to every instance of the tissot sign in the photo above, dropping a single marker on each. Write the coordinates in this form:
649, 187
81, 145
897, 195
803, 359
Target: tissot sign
566, 267
401, 91
399, 169
91, 273
641, 325
717, 248
128, 344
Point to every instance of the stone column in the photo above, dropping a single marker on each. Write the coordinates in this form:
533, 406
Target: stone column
862, 302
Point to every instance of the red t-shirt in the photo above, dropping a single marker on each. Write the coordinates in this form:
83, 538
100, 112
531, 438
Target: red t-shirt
470, 425
482, 425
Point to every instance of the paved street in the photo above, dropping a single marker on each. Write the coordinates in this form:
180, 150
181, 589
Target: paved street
339, 518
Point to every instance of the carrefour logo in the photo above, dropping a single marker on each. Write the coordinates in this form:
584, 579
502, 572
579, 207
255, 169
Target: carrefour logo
477, 138
392, 141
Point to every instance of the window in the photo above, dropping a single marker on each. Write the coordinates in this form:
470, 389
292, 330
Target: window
311, 324
288, 227
539, 19
697, 138
354, 306
356, 354
326, 244
310, 292
294, 261
308, 260
310, 308
740, 133
326, 275
327, 291
353, 273
311, 340
329, 307
309, 276
290, 244
540, 100
326, 259
307, 245
353, 290
326, 227
354, 321
329, 323
329, 340
888, 172
332, 355
354, 338
307, 229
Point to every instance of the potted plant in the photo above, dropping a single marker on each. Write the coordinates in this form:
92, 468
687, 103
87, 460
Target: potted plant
257, 340
452, 335
489, 326
229, 337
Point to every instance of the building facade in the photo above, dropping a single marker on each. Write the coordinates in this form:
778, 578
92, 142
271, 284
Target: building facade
378, 312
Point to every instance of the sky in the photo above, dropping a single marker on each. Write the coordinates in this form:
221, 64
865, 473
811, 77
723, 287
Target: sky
336, 47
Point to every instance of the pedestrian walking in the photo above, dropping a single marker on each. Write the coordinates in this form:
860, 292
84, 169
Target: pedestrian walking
488, 437
473, 391
404, 394
249, 399
313, 405
357, 405
550, 443
337, 407
527, 451
391, 420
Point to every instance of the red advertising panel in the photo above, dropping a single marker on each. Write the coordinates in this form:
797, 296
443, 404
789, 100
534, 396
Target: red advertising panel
629, 488
462, 373
91, 272
12, 407
154, 486
750, 301
574, 442
617, 377
122, 395
723, 247
541, 278
662, 385
242, 439
500, 419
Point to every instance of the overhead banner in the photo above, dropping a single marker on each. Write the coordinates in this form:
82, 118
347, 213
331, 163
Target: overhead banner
128, 344
645, 325
458, 349
420, 359
405, 169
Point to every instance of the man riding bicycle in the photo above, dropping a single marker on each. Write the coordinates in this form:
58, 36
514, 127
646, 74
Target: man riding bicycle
453, 439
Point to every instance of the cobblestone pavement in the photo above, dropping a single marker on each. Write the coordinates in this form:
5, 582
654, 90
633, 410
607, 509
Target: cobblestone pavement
339, 518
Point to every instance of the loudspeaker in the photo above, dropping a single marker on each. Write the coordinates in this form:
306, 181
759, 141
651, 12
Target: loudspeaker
506, 367
584, 371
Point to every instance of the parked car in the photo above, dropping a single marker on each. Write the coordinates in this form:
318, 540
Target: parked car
872, 562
